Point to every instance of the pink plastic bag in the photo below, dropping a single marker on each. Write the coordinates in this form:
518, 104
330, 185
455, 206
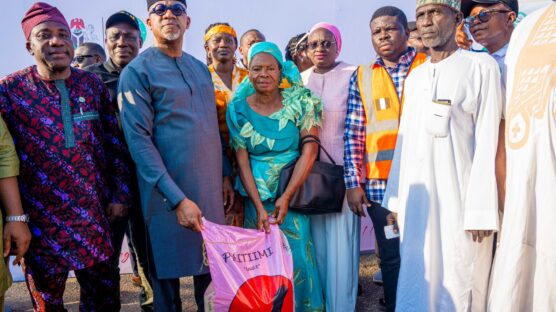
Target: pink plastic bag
251, 270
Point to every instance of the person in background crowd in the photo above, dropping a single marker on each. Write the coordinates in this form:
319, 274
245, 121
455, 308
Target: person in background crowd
443, 184
336, 236
220, 46
491, 23
270, 113
74, 177
87, 54
296, 51
374, 108
123, 41
414, 39
248, 39
178, 187
15, 232
136, 276
523, 277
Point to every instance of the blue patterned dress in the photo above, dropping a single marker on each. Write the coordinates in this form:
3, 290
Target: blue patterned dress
272, 142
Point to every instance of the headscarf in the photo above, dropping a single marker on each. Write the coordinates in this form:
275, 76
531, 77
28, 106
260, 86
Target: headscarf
220, 29
40, 13
454, 4
331, 28
290, 73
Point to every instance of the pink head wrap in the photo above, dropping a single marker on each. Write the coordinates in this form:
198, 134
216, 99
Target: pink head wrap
331, 28
40, 13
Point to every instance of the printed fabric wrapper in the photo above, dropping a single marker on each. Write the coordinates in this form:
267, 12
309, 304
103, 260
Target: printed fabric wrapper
250, 270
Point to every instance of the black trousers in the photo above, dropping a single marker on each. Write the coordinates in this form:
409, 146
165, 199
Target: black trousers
135, 226
389, 254
166, 292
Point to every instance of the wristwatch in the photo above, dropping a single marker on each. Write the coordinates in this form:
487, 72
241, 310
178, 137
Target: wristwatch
23, 218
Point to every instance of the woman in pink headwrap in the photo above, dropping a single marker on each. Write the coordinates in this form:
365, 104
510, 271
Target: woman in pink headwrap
336, 236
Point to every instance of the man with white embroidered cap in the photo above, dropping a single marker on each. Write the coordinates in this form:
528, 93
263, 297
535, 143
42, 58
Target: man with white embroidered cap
442, 184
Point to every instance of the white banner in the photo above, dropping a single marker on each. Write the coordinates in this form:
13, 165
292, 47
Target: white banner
278, 20
125, 264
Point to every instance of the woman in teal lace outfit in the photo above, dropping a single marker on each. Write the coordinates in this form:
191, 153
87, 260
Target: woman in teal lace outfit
270, 112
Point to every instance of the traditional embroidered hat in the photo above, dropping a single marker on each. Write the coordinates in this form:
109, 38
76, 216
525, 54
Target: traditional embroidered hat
454, 4
40, 13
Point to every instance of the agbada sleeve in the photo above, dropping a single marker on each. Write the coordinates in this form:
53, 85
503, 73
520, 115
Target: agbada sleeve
481, 197
137, 117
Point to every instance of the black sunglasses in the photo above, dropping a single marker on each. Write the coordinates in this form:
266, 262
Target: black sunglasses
326, 44
176, 8
80, 58
483, 16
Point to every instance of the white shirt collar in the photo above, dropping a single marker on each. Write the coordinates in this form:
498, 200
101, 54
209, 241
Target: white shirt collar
501, 53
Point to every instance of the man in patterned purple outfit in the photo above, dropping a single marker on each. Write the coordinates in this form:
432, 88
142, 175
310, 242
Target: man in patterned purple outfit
73, 176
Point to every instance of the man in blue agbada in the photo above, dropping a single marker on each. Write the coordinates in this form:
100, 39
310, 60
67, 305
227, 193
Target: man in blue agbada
168, 114
270, 112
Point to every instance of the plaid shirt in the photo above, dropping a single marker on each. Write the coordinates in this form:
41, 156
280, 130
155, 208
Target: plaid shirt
354, 131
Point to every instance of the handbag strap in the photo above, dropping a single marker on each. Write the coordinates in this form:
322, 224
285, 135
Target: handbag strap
314, 139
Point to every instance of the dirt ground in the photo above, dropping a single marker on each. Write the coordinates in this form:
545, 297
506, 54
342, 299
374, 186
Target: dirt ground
17, 297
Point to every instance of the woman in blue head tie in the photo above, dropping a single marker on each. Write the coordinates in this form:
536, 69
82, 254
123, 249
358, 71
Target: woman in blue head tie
270, 112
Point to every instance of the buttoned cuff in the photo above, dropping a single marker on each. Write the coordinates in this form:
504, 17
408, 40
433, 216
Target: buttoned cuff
171, 191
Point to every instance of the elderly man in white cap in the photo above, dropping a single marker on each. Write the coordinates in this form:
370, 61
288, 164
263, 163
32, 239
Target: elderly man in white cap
443, 184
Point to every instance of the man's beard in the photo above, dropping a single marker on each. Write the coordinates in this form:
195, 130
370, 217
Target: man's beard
172, 36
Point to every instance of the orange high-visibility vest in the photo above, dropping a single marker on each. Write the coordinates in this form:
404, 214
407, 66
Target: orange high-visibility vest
382, 114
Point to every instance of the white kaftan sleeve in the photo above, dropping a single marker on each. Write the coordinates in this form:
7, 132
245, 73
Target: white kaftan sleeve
391, 200
481, 199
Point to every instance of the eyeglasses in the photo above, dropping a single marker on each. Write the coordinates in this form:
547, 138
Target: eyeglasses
81, 58
483, 16
326, 44
161, 9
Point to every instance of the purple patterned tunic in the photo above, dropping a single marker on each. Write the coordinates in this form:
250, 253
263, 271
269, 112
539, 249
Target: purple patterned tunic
72, 156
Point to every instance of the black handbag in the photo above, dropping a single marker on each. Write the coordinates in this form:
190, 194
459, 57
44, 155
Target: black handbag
323, 191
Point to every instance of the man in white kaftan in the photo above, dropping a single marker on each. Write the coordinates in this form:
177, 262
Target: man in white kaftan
524, 274
442, 184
